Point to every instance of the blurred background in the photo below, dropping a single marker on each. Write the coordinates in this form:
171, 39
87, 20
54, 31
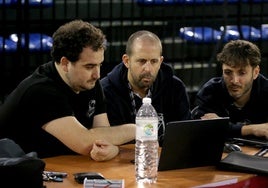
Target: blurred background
192, 32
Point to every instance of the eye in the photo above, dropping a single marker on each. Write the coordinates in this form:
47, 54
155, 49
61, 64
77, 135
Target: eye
241, 73
90, 66
227, 72
154, 61
141, 61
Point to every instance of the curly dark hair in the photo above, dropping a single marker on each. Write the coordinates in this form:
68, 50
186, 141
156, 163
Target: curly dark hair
70, 39
238, 53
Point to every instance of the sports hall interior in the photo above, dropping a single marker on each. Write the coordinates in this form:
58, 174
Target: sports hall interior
192, 33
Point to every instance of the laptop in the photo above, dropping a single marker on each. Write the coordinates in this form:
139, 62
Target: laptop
193, 143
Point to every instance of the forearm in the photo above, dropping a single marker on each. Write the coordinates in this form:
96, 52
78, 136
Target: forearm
246, 130
260, 130
116, 135
80, 139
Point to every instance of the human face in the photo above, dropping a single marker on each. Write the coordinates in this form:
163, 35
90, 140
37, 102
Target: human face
143, 64
83, 74
239, 80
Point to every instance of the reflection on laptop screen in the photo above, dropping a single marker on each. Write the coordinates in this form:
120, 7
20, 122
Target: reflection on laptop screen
193, 143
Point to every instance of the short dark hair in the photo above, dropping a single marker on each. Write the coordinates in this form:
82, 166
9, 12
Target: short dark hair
144, 34
70, 39
240, 53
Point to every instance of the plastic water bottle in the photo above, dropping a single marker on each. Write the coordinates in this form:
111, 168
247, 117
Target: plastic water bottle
146, 148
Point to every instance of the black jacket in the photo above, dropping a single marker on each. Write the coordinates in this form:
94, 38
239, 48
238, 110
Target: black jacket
213, 97
169, 97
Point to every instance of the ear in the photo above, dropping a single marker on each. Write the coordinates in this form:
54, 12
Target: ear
161, 59
256, 72
125, 59
64, 63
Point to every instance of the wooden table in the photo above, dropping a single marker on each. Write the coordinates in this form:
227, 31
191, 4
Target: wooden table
121, 168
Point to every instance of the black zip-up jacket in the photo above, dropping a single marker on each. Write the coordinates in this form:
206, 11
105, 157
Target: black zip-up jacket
213, 97
169, 97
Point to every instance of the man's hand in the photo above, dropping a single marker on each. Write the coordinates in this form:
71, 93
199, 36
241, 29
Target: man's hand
260, 130
103, 150
210, 116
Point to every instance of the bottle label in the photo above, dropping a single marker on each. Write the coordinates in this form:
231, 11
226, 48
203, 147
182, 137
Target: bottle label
146, 129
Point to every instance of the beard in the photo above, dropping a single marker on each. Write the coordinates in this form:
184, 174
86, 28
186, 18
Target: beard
238, 91
146, 80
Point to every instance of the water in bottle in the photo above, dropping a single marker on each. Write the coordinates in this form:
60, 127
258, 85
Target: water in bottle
146, 148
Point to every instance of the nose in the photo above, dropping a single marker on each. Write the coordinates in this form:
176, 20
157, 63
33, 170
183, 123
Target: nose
235, 78
147, 66
96, 72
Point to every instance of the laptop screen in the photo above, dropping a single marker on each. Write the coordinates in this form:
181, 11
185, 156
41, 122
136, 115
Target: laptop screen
193, 143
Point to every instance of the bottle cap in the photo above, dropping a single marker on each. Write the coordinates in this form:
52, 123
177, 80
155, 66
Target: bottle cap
146, 100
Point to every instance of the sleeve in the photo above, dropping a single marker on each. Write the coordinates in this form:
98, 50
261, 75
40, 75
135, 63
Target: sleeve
119, 109
210, 98
184, 104
46, 103
235, 129
204, 104
178, 107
